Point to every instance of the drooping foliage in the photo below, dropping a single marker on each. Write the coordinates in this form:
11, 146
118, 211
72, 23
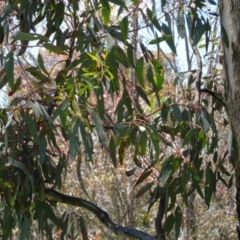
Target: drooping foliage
107, 87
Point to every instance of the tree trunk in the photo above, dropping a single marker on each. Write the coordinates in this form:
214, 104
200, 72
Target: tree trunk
230, 20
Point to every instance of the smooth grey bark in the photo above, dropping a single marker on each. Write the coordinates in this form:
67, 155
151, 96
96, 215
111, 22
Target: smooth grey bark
230, 20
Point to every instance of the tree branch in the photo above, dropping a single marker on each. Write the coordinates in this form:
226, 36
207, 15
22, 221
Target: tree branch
159, 218
98, 212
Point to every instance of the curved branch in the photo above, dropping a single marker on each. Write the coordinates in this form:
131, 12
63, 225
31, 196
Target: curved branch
98, 212
159, 218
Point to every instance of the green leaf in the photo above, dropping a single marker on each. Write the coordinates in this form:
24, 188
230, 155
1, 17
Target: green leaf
8, 224
31, 126
209, 183
150, 77
41, 64
192, 133
52, 48
16, 86
165, 112
124, 28
99, 126
113, 152
139, 71
199, 30
130, 55
225, 36
159, 39
9, 69
208, 118
168, 224
167, 31
111, 62
143, 176
154, 20
106, 13
120, 56
87, 141
163, 3
121, 151
178, 221
142, 94
177, 112
110, 42
73, 138
29, 36
3, 79
62, 107
50, 213
143, 140
36, 73
212, 2
119, 3
167, 169
144, 189
42, 149
159, 73
25, 228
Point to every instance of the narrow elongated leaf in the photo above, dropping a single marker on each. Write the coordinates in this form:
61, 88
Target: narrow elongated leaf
9, 67
16, 86
52, 48
87, 141
31, 126
113, 152
209, 183
167, 31
63, 106
124, 28
139, 71
144, 189
50, 213
29, 36
178, 221
225, 36
192, 133
130, 55
159, 39
177, 112
143, 95
154, 20
168, 224
99, 126
3, 79
167, 169
42, 149
25, 228
143, 176
199, 30
41, 64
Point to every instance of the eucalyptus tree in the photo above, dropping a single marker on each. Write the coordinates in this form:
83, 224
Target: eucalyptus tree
55, 119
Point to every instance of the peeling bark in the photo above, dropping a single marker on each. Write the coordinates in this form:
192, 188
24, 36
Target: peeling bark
230, 20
